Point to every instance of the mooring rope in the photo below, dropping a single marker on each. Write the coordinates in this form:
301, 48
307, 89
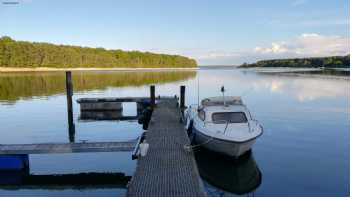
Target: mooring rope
189, 147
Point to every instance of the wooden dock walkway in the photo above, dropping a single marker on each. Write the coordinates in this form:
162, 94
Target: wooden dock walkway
167, 169
51, 148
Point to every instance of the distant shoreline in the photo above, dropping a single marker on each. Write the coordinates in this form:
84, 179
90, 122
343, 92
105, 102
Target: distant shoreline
46, 69
308, 62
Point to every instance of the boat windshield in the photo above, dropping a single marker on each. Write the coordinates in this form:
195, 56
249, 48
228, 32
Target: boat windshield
231, 117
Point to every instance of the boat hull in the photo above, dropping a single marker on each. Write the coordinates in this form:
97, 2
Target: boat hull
230, 148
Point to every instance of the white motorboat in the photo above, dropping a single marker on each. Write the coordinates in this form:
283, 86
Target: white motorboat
223, 124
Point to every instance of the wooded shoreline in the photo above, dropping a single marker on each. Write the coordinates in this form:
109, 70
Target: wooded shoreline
23, 54
46, 69
311, 62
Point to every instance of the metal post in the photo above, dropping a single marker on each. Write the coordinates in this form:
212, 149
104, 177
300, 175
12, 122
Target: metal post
153, 96
182, 97
69, 89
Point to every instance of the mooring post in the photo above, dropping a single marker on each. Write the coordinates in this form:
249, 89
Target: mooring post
182, 97
182, 102
69, 89
153, 95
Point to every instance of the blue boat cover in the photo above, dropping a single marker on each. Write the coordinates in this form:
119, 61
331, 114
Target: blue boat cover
14, 162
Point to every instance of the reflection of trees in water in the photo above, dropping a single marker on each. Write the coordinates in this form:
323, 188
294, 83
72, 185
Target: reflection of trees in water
15, 86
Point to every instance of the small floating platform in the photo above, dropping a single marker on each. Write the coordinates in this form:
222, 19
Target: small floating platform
104, 115
108, 104
113, 99
52, 148
101, 106
111, 104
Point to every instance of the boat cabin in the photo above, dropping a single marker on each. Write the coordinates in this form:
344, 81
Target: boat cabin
220, 100
222, 110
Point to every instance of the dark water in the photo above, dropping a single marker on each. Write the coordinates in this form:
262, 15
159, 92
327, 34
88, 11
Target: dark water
303, 151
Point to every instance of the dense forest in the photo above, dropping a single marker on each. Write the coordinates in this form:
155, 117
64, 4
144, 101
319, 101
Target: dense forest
33, 54
327, 62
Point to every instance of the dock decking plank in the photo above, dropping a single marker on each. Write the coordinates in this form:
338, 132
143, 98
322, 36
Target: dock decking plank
167, 169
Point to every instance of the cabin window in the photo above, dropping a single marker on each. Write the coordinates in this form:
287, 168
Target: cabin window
201, 115
231, 117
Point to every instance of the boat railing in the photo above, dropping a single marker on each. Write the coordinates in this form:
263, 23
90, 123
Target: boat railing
193, 105
256, 124
218, 122
228, 122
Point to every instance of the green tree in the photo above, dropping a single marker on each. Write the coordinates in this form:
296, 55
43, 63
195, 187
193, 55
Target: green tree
31, 54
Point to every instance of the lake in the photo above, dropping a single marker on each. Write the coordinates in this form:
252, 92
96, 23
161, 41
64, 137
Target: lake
303, 151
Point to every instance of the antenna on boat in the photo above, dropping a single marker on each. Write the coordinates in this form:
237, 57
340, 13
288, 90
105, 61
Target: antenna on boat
223, 94
198, 89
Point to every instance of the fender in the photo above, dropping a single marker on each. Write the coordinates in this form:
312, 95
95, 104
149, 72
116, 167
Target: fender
188, 123
188, 120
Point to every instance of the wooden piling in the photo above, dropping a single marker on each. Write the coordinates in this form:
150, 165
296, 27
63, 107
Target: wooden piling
69, 89
182, 97
153, 95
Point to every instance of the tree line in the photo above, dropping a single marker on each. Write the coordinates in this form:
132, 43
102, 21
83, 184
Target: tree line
317, 62
37, 54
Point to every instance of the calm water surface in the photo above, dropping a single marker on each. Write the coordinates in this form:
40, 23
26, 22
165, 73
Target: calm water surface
303, 151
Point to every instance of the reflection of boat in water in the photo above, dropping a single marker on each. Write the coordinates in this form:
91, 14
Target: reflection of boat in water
240, 176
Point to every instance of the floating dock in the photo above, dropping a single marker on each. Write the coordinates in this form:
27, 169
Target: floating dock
108, 104
52, 148
167, 169
109, 100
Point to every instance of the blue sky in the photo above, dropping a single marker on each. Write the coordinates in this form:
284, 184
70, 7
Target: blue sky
212, 32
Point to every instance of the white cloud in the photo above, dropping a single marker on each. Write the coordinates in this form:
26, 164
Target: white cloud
325, 22
309, 44
275, 48
214, 54
304, 45
298, 2
15, 1
302, 22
